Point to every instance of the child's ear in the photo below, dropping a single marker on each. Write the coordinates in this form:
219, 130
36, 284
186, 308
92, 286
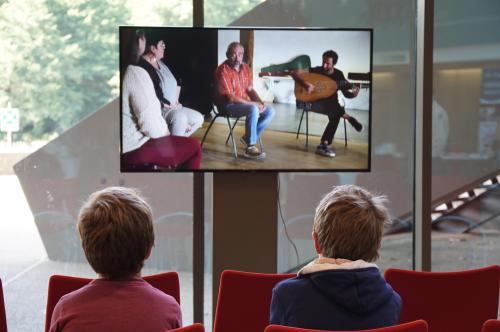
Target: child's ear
316, 244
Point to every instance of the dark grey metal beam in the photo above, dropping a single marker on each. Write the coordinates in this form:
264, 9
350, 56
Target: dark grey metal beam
423, 135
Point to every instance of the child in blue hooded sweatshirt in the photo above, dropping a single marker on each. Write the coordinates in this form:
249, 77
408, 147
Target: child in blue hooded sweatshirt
342, 289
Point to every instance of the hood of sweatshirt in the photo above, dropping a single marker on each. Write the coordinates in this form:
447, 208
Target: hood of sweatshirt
357, 286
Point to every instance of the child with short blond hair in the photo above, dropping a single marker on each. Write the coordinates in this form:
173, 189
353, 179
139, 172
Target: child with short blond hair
342, 289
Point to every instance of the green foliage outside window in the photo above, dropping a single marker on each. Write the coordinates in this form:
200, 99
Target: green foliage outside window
222, 13
59, 58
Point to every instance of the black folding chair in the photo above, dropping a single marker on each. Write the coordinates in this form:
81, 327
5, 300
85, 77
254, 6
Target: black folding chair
306, 108
220, 111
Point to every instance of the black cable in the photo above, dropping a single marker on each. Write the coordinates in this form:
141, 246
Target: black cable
295, 269
284, 225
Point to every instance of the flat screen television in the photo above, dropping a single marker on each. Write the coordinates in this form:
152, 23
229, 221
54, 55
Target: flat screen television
290, 91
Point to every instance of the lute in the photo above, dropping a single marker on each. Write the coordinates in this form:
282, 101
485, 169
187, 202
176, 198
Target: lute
324, 86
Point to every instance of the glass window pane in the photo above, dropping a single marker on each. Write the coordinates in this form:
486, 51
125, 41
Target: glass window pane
466, 108
60, 70
173, 13
392, 121
222, 13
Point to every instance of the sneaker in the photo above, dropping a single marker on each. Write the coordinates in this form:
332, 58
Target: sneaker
358, 126
252, 152
324, 150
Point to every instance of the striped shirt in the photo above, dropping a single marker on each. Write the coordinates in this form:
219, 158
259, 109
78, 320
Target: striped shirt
229, 81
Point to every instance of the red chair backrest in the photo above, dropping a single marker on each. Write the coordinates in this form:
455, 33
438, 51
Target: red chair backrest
416, 326
3, 318
244, 300
197, 327
59, 285
491, 325
448, 301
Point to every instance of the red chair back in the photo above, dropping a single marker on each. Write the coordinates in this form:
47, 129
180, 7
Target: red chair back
244, 300
197, 327
59, 285
491, 325
3, 318
416, 326
448, 301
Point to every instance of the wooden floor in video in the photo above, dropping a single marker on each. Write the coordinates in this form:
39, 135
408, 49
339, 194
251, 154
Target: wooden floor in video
283, 151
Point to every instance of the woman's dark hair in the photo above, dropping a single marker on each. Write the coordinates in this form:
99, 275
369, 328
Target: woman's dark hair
130, 48
152, 39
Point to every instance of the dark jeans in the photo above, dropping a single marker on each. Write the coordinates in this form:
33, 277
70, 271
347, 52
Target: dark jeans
334, 113
168, 152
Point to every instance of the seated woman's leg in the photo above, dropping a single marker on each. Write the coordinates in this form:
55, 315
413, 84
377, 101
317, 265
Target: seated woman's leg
189, 151
167, 152
177, 122
194, 118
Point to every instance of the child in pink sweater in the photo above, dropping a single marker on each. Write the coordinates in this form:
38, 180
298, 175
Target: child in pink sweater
116, 228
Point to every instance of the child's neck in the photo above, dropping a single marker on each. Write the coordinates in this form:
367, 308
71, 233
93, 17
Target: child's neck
337, 261
133, 276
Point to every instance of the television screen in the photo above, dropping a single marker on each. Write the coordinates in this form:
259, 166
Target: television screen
245, 99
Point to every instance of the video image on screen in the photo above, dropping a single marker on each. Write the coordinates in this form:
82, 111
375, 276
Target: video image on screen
245, 99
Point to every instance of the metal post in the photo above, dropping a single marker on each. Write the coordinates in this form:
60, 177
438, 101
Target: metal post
198, 214
423, 135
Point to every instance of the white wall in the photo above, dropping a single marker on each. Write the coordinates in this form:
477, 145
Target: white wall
226, 37
274, 47
353, 47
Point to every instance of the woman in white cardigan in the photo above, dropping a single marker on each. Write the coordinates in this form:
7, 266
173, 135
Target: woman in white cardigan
181, 120
146, 141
